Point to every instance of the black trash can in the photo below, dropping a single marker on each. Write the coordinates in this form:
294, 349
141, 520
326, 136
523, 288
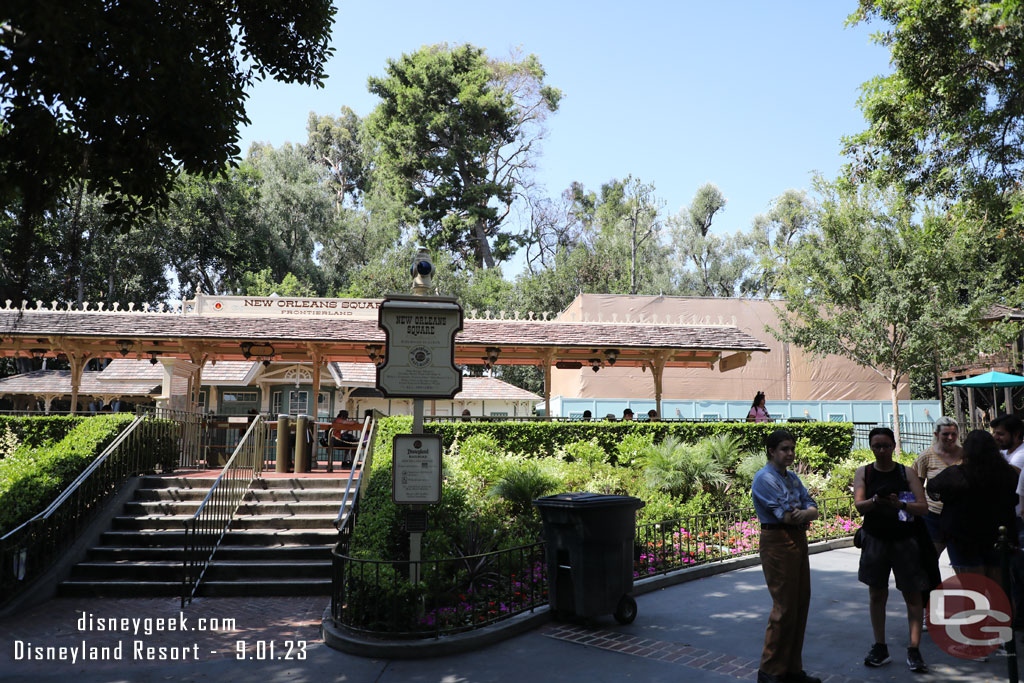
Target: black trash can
589, 553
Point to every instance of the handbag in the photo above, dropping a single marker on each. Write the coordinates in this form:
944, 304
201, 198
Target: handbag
858, 538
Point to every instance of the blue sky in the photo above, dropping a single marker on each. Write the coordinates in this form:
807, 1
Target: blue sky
752, 96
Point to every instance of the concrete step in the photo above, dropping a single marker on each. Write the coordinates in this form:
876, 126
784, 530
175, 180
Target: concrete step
221, 570
224, 552
178, 508
261, 521
148, 538
119, 589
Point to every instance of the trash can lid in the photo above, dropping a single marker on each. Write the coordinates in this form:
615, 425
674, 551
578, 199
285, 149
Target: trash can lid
585, 499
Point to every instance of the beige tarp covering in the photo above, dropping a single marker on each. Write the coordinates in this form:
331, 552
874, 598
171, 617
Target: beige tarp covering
829, 379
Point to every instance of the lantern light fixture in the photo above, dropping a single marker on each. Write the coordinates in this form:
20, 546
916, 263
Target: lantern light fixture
124, 346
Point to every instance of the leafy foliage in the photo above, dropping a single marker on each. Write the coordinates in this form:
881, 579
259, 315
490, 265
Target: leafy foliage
32, 477
682, 470
123, 110
455, 135
37, 431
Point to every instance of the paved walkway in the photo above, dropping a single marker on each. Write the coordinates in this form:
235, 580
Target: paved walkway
705, 630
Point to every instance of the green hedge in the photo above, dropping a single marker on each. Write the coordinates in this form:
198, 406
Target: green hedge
39, 431
835, 439
32, 478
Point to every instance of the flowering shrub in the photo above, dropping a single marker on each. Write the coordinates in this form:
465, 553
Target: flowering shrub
671, 545
492, 601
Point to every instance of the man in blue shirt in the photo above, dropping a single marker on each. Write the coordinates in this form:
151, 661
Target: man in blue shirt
784, 509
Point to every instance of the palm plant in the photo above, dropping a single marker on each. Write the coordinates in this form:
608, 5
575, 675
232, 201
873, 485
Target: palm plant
521, 485
682, 469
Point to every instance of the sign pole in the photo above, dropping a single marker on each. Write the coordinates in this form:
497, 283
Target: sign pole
415, 537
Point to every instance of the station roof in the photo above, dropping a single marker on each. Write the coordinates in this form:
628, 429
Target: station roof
46, 331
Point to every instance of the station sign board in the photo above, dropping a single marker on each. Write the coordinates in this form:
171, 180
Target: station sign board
283, 306
420, 348
416, 469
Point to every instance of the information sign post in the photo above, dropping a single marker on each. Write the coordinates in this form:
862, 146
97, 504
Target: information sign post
419, 363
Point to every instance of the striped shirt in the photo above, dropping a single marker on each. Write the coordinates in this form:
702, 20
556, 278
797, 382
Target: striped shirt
927, 465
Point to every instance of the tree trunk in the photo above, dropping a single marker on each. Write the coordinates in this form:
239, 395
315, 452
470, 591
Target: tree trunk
896, 414
482, 248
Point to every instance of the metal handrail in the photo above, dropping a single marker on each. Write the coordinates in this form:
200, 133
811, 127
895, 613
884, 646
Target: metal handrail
191, 437
215, 513
29, 550
362, 457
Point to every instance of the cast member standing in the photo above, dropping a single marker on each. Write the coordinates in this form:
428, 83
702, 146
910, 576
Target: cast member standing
785, 509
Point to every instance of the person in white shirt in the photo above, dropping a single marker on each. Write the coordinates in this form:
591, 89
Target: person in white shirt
1008, 431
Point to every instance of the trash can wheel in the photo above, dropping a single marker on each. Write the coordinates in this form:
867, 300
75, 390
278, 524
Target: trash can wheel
625, 611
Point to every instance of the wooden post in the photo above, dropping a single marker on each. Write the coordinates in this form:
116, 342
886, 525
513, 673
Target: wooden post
548, 361
1008, 399
970, 407
958, 408
317, 356
657, 372
77, 359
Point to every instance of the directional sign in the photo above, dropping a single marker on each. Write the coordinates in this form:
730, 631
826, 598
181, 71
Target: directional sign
420, 354
416, 469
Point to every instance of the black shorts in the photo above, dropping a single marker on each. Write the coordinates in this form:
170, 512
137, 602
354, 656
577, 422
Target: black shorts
902, 557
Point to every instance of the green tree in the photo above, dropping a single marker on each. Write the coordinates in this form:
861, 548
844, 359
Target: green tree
720, 264
949, 121
771, 236
124, 95
337, 144
872, 284
456, 135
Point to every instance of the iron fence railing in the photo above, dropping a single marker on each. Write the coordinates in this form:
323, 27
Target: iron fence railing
205, 530
361, 462
685, 542
191, 433
374, 597
29, 550
914, 436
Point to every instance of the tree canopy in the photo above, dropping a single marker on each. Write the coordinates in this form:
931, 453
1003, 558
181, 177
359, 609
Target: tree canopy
456, 136
124, 95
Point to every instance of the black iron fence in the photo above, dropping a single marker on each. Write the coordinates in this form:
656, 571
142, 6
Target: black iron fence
191, 432
914, 436
674, 544
29, 550
376, 597
203, 533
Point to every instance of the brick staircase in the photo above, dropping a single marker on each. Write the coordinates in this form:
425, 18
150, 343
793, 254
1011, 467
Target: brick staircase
279, 543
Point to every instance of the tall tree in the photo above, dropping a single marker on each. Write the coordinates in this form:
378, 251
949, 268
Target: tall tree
770, 238
337, 144
949, 121
874, 285
719, 263
456, 136
125, 94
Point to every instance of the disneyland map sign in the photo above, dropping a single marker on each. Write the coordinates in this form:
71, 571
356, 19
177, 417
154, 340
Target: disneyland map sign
283, 306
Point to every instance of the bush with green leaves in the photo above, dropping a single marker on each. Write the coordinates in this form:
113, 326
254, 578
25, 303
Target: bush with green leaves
632, 447
588, 452
682, 469
31, 478
546, 438
523, 484
39, 430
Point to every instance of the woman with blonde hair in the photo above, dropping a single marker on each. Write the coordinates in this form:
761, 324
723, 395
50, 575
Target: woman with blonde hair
944, 452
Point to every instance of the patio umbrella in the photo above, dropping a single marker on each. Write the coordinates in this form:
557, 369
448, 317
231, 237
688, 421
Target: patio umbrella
991, 379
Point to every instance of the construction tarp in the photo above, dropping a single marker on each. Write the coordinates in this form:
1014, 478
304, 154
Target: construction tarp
785, 373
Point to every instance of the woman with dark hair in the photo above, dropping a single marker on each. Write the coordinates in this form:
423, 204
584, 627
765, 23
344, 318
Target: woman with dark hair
889, 496
758, 413
785, 509
978, 497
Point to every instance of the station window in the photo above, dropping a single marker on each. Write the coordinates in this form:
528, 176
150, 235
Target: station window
239, 397
837, 417
323, 404
298, 403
